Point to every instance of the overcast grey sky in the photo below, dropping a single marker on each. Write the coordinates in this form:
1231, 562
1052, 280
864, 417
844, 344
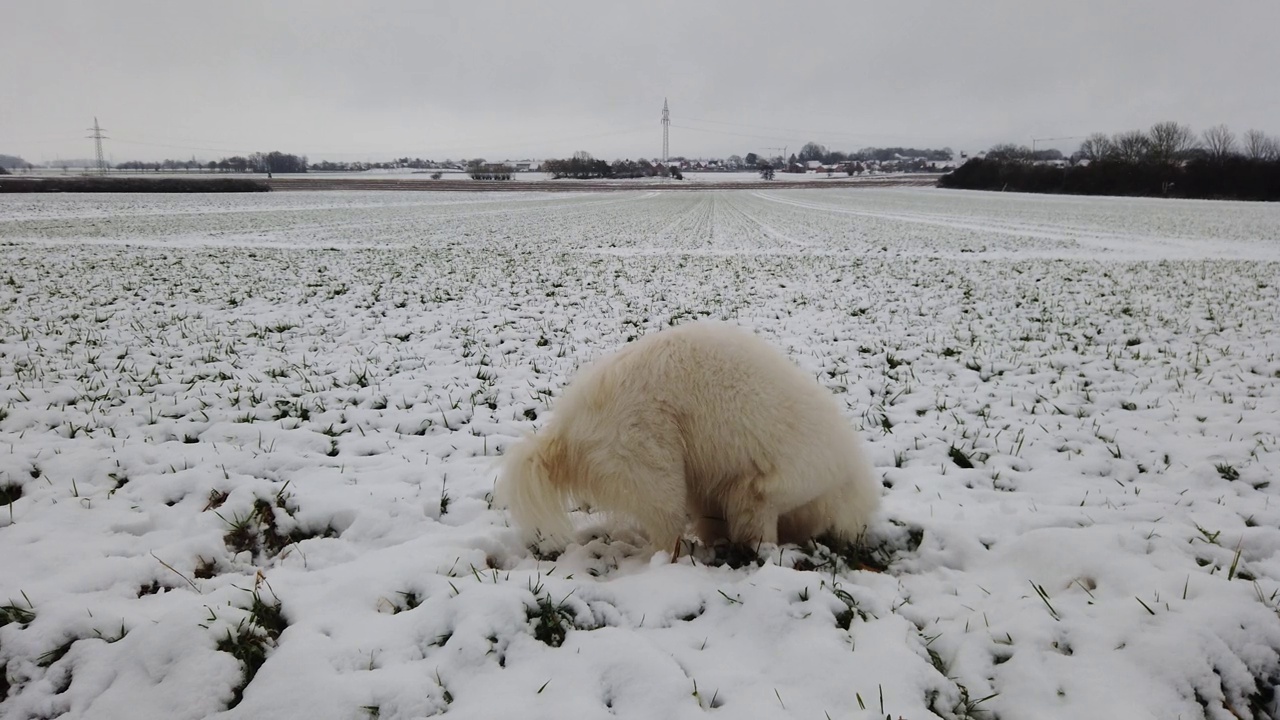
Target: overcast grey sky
351, 80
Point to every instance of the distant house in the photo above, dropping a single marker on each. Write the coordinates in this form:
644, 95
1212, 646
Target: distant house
813, 165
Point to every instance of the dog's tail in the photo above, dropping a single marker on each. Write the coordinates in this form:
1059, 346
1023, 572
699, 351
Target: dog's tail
525, 486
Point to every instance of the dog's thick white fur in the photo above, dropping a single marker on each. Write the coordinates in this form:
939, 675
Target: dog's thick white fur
704, 422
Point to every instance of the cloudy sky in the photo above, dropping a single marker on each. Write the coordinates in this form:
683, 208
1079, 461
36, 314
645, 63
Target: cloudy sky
352, 80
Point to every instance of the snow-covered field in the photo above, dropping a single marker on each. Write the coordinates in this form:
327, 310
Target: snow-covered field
252, 438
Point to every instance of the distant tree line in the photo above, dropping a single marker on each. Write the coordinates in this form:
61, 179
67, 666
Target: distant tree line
635, 169
904, 158
278, 162
13, 162
816, 151
274, 161
1167, 160
582, 166
403, 162
158, 165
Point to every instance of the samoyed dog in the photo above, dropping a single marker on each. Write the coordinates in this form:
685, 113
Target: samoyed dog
704, 423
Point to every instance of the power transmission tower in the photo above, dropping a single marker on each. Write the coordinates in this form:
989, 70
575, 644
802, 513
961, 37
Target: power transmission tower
666, 130
98, 137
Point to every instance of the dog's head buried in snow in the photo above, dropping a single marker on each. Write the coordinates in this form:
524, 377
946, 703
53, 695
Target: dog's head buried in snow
704, 423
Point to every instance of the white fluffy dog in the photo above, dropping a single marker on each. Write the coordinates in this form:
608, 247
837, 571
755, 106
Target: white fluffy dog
704, 421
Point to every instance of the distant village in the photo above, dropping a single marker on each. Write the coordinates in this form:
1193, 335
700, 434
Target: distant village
868, 161
656, 166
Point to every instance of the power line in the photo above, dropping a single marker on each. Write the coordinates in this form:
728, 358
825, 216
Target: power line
457, 146
736, 134
179, 147
1040, 140
548, 141
810, 133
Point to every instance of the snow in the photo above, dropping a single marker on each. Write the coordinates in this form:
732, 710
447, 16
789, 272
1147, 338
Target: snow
337, 374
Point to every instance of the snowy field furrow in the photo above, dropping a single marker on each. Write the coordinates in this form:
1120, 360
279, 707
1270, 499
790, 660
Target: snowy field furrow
248, 446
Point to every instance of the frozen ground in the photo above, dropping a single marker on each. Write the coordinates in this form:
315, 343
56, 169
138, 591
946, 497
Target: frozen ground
254, 437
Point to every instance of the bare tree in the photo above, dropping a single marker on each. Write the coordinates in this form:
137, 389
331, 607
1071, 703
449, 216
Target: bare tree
812, 151
1219, 142
1257, 146
1169, 141
1132, 146
1009, 151
1096, 147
